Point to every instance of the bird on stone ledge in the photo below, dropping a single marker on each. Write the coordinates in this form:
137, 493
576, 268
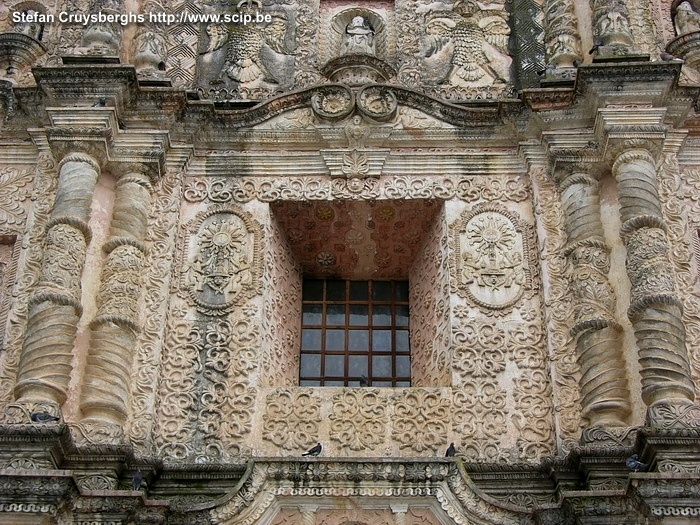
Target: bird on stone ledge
43, 417
314, 451
635, 465
451, 451
136, 481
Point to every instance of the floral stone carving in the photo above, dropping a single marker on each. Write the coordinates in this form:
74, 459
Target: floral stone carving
221, 261
491, 258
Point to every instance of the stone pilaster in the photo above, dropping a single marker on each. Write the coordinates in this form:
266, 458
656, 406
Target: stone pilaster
113, 331
604, 390
55, 307
655, 307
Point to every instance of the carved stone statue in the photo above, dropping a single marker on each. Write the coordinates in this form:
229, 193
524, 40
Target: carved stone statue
358, 37
686, 20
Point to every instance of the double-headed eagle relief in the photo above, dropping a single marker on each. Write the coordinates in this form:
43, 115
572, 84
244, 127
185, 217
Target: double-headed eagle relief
245, 57
466, 46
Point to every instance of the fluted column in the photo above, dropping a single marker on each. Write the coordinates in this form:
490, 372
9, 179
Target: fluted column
604, 389
55, 307
655, 308
113, 331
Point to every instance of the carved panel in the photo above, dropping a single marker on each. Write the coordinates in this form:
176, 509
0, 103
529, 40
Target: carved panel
221, 260
420, 419
292, 419
359, 419
491, 258
281, 310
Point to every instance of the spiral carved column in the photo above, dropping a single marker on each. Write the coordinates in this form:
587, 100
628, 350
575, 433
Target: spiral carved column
604, 390
655, 308
113, 331
55, 307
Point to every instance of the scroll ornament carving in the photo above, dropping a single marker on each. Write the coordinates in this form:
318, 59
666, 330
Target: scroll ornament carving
358, 420
489, 189
15, 186
160, 240
281, 311
678, 190
566, 370
292, 419
420, 420
120, 291
594, 298
206, 403
647, 263
480, 419
221, 261
20, 413
430, 292
491, 258
44, 189
63, 260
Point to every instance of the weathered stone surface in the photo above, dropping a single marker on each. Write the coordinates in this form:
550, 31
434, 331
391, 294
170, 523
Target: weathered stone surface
531, 168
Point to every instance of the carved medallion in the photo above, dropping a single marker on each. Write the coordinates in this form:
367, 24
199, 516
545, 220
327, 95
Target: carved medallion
490, 259
220, 261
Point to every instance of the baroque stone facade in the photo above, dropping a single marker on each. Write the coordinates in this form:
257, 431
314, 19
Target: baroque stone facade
172, 171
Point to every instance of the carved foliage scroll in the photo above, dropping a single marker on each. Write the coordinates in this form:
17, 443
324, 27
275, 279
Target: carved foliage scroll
491, 258
221, 261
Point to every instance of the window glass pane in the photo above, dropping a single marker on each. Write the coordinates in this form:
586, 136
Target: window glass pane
358, 340
358, 291
334, 383
403, 366
381, 366
312, 290
401, 315
401, 291
310, 339
358, 366
381, 383
335, 314
359, 315
312, 314
310, 365
335, 290
335, 339
381, 290
308, 382
381, 340
334, 366
402, 340
403, 383
381, 315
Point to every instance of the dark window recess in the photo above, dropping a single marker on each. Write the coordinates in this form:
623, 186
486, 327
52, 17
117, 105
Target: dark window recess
353, 330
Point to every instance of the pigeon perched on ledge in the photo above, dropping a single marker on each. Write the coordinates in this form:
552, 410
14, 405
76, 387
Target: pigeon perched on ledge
43, 417
451, 451
635, 465
314, 451
136, 480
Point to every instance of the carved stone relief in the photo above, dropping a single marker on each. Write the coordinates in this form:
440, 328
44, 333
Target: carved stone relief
478, 54
221, 260
247, 61
29, 265
492, 266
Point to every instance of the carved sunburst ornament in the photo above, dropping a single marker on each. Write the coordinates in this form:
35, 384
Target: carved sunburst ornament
222, 267
490, 258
